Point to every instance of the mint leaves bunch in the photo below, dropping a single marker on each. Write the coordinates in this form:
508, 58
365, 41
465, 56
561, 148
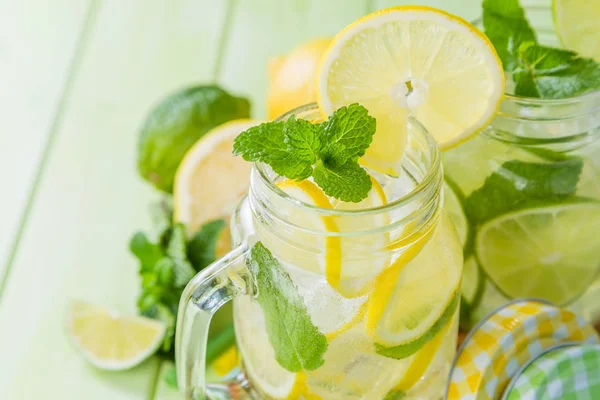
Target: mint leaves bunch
328, 152
167, 265
537, 70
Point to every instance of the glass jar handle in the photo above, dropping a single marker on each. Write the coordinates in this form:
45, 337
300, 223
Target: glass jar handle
208, 291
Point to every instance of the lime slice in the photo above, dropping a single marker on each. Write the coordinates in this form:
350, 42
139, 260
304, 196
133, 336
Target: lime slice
453, 199
111, 341
548, 252
472, 282
417, 58
576, 23
408, 309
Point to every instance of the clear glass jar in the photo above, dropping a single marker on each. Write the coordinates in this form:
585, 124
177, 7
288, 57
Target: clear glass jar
380, 280
526, 197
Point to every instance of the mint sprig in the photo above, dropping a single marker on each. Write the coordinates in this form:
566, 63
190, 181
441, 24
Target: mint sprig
507, 27
167, 265
518, 184
297, 342
329, 151
537, 71
553, 73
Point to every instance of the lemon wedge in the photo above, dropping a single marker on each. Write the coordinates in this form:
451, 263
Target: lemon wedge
416, 60
111, 341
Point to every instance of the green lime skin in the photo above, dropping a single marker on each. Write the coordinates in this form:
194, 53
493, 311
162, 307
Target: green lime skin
176, 123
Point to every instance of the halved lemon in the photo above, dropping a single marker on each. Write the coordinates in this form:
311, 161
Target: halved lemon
576, 23
417, 60
210, 180
112, 341
292, 77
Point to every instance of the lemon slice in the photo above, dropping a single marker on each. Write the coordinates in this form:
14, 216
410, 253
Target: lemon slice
354, 277
410, 305
576, 23
111, 341
421, 361
547, 252
434, 64
257, 353
350, 277
210, 180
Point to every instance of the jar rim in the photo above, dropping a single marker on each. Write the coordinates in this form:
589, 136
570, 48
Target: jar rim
418, 193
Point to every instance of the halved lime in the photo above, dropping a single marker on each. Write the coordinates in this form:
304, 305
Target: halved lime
548, 252
453, 199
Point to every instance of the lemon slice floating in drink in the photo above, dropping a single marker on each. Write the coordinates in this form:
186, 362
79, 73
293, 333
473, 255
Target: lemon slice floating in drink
548, 252
412, 59
408, 310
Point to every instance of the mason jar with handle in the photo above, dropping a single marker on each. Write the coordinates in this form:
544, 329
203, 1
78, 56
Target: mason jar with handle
333, 300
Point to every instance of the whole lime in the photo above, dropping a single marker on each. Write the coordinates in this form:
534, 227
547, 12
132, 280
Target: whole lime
176, 123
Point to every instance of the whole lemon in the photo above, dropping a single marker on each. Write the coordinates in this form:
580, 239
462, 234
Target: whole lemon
292, 77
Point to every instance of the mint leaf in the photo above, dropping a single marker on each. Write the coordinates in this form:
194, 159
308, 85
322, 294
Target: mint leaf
348, 182
507, 28
202, 248
517, 183
348, 134
328, 151
147, 253
553, 73
178, 253
298, 343
267, 143
303, 138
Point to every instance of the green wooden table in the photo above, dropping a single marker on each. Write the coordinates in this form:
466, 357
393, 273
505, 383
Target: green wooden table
77, 78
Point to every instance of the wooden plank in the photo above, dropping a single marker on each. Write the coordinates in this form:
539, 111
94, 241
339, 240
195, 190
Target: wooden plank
261, 29
468, 9
90, 199
35, 57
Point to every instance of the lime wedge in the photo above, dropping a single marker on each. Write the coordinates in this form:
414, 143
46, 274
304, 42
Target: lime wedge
548, 252
576, 23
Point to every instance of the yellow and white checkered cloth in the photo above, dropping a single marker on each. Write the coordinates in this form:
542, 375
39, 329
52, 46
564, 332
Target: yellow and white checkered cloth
507, 340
